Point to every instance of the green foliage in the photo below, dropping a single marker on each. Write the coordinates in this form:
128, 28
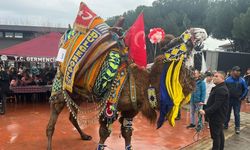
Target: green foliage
223, 19
241, 26
174, 16
219, 19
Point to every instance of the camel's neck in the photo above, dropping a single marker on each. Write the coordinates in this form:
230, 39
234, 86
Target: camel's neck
141, 76
155, 77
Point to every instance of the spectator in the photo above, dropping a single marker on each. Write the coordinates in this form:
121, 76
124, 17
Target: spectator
26, 79
35, 71
38, 80
238, 89
20, 70
15, 82
216, 110
197, 98
247, 79
209, 85
229, 72
12, 72
4, 82
48, 74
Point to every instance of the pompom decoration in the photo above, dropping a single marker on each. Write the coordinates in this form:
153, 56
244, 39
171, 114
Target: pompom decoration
156, 35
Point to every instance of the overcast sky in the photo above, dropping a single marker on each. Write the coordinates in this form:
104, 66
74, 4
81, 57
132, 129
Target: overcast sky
63, 12
60, 12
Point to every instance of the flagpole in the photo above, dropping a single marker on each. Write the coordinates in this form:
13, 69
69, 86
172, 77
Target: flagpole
155, 51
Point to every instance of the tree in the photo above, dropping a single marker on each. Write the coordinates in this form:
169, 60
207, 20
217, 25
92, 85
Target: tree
241, 26
223, 19
241, 32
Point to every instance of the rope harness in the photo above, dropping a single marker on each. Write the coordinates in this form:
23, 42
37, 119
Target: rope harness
199, 126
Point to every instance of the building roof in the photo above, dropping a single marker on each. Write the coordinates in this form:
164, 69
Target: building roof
227, 45
43, 46
31, 28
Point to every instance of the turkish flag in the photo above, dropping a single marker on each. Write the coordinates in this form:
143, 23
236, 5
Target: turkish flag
85, 16
135, 40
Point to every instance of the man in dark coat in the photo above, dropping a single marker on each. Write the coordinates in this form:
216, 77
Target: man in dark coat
4, 81
4, 88
216, 110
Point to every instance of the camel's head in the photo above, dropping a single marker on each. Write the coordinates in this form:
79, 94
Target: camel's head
199, 35
189, 41
171, 73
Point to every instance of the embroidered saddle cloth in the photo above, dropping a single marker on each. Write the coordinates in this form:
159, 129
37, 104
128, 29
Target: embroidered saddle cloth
86, 47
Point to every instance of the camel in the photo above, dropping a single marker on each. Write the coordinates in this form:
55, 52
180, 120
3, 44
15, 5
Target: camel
128, 108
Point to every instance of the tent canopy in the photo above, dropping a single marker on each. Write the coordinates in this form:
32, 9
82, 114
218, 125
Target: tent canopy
43, 46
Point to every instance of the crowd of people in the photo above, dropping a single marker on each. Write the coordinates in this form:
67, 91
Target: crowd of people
22, 76
215, 97
17, 77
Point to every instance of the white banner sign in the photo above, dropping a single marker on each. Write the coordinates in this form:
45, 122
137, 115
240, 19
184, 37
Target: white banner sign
27, 59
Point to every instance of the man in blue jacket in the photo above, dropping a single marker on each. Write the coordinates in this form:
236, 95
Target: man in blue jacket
197, 98
237, 91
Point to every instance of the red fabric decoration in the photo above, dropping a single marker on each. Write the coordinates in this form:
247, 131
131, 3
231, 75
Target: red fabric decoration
84, 16
135, 40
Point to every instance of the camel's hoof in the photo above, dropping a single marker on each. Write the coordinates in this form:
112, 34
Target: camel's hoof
101, 147
86, 138
129, 147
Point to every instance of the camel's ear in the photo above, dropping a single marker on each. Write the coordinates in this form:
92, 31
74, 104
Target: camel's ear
165, 42
119, 22
167, 39
69, 26
171, 44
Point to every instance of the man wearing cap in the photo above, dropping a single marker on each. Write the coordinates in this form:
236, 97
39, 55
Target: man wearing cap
238, 89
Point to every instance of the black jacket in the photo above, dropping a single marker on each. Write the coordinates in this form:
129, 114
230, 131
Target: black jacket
218, 103
4, 82
247, 79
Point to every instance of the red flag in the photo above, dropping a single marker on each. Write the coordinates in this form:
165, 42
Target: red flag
135, 40
85, 16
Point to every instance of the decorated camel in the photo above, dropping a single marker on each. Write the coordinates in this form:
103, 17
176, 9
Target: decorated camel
95, 68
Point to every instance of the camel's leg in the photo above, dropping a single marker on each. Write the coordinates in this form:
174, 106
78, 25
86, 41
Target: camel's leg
56, 109
104, 132
126, 121
76, 125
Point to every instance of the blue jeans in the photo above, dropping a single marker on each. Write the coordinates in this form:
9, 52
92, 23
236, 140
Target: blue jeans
194, 107
234, 104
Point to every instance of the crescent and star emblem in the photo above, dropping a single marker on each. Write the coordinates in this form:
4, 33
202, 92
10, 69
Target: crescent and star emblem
137, 38
89, 16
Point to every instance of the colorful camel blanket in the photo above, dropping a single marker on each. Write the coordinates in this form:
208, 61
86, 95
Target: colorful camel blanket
92, 60
81, 45
90, 47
